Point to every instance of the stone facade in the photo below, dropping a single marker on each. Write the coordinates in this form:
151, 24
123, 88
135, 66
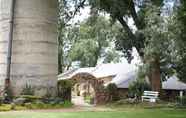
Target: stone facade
34, 50
101, 98
83, 89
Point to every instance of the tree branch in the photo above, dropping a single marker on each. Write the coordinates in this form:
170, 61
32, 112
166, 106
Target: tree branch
126, 27
131, 35
134, 15
80, 5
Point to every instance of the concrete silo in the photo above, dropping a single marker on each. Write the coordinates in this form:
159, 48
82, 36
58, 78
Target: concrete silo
34, 47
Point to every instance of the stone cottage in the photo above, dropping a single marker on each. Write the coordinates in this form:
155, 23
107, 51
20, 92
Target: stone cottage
122, 77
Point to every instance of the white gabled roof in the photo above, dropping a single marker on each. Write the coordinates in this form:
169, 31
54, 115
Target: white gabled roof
124, 74
71, 73
173, 83
123, 80
103, 70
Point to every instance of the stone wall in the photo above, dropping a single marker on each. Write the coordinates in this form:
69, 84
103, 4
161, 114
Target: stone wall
4, 28
101, 98
34, 58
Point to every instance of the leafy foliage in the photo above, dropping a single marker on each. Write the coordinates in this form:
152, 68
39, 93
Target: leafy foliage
64, 89
178, 33
67, 9
122, 11
30, 98
158, 44
112, 91
88, 42
137, 88
148, 33
1, 100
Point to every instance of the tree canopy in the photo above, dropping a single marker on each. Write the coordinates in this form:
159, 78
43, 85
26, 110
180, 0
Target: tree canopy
89, 41
157, 32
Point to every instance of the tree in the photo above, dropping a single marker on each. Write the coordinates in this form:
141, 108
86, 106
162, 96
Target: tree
158, 50
65, 14
145, 34
177, 32
122, 11
85, 42
91, 42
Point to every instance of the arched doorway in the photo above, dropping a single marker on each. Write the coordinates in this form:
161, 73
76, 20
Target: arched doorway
84, 88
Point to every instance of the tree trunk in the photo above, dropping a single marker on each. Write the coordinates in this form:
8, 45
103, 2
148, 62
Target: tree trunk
155, 78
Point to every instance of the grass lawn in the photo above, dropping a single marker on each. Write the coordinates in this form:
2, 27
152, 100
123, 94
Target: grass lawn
130, 113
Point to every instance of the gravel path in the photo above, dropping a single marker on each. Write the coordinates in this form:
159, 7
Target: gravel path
79, 101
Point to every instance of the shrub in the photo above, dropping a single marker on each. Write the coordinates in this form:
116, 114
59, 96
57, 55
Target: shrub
64, 89
5, 107
112, 91
1, 100
88, 99
8, 96
27, 90
13, 106
28, 105
67, 104
137, 88
56, 100
39, 105
30, 98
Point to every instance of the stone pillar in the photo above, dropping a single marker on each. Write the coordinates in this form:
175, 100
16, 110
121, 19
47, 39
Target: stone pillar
34, 58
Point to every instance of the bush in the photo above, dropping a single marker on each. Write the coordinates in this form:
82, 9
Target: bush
41, 105
52, 100
137, 88
64, 89
112, 91
28, 105
8, 96
5, 107
1, 100
30, 98
88, 99
67, 104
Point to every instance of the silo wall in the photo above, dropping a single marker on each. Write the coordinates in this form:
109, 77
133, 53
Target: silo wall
34, 48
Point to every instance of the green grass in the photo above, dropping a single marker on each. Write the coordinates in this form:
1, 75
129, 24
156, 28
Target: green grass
130, 113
